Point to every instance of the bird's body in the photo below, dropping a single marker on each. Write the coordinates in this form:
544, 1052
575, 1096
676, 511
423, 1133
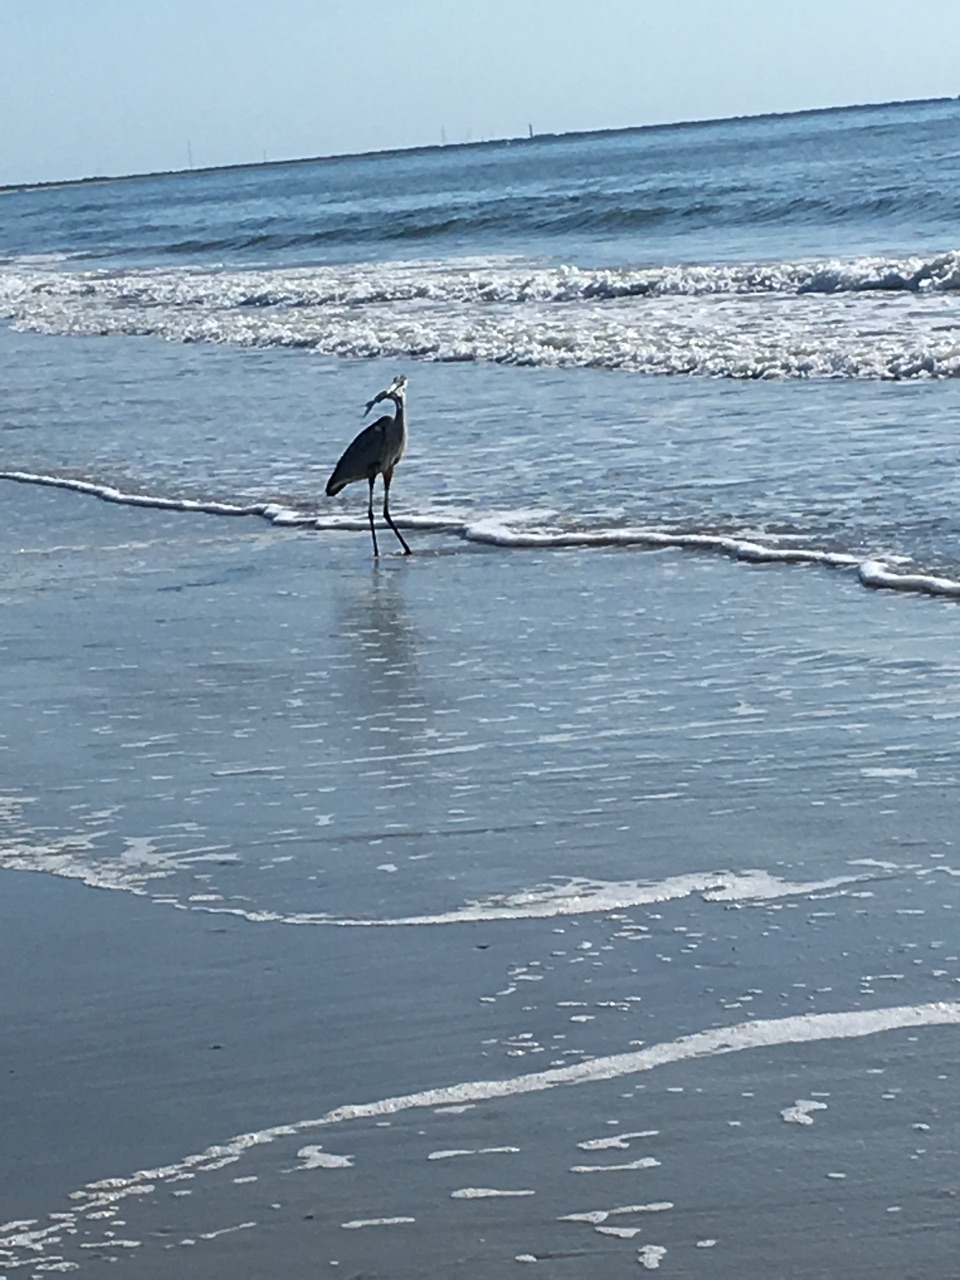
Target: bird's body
375, 452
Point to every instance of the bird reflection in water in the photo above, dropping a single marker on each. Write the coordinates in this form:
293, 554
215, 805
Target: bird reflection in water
379, 669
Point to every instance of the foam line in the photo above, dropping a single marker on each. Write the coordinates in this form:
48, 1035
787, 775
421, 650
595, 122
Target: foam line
871, 573
27, 1242
503, 532
276, 513
874, 573
579, 897
71, 856
108, 493
758, 1034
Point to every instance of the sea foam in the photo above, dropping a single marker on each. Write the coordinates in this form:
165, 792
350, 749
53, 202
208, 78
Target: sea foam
44, 1246
824, 318
521, 530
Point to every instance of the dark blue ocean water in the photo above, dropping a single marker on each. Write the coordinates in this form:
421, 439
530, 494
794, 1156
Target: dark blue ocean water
873, 180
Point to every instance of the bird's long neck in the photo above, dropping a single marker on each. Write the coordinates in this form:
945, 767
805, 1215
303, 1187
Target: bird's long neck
400, 418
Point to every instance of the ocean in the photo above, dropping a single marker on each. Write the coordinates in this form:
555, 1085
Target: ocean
577, 890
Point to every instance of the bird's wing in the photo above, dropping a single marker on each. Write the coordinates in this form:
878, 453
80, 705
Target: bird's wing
361, 459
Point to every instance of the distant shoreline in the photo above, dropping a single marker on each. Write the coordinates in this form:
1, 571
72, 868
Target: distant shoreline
521, 139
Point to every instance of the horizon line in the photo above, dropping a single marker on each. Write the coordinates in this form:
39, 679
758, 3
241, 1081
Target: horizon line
526, 139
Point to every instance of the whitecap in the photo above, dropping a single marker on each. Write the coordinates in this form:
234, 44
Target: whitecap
825, 318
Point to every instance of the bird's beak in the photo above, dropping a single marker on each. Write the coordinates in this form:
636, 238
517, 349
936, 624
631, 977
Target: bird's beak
396, 385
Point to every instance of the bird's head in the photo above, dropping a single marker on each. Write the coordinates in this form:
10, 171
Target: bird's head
394, 392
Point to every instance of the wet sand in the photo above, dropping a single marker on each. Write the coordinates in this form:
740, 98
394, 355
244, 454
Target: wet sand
522, 907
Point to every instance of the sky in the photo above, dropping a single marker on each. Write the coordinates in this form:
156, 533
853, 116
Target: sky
109, 87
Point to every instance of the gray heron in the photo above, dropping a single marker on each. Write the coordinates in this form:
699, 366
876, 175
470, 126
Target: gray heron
375, 452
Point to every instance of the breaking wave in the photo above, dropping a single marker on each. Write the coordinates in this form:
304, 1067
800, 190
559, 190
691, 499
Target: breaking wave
871, 317
474, 280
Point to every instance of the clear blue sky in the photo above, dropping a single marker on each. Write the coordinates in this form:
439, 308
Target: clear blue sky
130, 86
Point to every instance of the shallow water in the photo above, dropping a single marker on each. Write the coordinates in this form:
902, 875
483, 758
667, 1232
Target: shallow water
520, 457
578, 890
265, 723
541, 811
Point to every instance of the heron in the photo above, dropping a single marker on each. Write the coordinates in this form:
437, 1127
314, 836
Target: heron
375, 452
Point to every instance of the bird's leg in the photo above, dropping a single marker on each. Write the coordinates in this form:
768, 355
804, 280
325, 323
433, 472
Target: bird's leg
387, 477
376, 550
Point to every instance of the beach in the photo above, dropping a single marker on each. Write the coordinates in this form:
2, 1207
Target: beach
578, 892
731, 806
